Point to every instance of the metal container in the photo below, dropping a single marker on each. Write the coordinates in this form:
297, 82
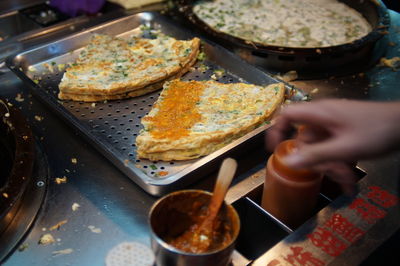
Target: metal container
169, 216
112, 126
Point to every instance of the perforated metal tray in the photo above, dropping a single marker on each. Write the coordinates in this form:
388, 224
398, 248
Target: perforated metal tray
113, 126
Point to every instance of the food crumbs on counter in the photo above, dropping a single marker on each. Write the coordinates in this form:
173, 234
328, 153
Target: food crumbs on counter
316, 90
162, 173
60, 180
393, 63
49, 67
94, 229
46, 239
23, 247
58, 225
63, 251
5, 195
306, 98
289, 76
202, 68
201, 56
61, 67
287, 101
93, 105
19, 98
219, 72
39, 118
74, 160
75, 206
214, 77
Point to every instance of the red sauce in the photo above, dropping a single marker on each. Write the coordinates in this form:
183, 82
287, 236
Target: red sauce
289, 194
201, 238
177, 113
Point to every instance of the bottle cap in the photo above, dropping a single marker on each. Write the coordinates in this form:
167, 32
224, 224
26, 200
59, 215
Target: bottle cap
284, 149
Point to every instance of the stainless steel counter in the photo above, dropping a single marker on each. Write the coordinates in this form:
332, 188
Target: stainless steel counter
111, 202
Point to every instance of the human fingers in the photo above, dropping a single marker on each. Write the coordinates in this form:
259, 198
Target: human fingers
281, 130
332, 149
311, 114
341, 173
290, 116
311, 134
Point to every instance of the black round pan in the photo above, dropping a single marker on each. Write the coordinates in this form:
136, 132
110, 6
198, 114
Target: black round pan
315, 61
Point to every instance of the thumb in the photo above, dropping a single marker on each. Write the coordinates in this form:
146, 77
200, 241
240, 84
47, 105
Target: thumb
308, 155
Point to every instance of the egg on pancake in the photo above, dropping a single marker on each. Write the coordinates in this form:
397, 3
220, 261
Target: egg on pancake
195, 118
113, 68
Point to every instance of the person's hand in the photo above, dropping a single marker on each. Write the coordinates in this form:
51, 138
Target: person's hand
336, 133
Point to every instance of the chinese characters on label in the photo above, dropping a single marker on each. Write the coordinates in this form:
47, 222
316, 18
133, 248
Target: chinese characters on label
338, 233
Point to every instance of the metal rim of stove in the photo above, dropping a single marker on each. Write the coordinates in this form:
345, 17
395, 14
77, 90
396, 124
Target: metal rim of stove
22, 195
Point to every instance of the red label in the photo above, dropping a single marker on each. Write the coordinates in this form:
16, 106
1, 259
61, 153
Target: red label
301, 257
382, 197
367, 211
344, 228
327, 241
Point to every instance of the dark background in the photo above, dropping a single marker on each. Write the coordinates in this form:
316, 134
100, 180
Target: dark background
392, 4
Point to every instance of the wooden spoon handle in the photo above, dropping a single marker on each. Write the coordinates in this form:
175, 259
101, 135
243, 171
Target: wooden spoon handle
224, 179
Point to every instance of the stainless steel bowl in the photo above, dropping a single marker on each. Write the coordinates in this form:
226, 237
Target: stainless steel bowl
169, 217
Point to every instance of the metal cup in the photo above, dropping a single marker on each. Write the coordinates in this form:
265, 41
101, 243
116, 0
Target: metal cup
169, 217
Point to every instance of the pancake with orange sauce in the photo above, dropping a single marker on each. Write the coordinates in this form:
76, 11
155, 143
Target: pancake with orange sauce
195, 118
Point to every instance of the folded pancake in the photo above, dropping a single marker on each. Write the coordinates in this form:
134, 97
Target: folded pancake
113, 68
195, 118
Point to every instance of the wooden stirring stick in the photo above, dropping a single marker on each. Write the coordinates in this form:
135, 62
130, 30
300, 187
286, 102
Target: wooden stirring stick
199, 237
224, 179
204, 235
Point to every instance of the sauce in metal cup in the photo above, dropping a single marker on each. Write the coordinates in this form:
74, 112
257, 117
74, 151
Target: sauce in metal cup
173, 214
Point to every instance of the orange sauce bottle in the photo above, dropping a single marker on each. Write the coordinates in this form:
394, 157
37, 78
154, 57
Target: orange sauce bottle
289, 194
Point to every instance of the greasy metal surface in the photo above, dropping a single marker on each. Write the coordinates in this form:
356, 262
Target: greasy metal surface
14, 24
29, 206
113, 126
9, 6
19, 32
111, 202
21, 140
